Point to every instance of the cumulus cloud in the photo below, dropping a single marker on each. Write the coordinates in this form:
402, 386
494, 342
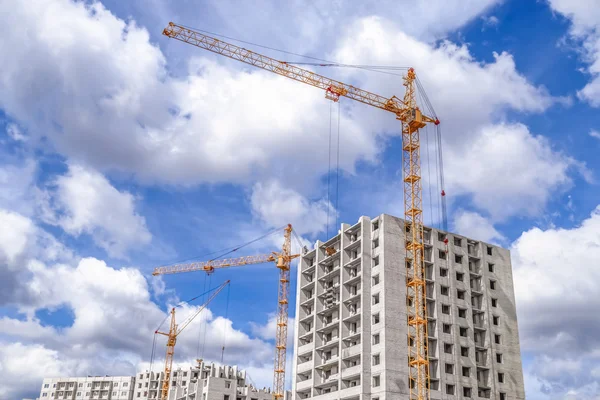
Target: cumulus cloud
585, 30
509, 171
84, 202
472, 224
556, 286
490, 21
205, 126
472, 122
276, 206
115, 106
17, 179
113, 321
20, 240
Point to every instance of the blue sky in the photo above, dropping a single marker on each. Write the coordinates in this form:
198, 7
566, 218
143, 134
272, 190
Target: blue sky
102, 180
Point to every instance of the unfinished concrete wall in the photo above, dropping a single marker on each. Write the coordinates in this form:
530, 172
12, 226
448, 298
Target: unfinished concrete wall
473, 335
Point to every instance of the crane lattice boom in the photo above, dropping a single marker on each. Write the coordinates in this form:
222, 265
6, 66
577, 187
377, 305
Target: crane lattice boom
209, 266
412, 120
174, 331
282, 261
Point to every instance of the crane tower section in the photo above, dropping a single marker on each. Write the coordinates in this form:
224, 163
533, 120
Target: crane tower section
412, 120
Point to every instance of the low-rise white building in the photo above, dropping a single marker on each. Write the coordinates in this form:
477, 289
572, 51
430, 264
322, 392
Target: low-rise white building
91, 387
201, 382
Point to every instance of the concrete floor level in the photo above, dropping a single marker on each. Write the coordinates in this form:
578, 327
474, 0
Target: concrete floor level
351, 328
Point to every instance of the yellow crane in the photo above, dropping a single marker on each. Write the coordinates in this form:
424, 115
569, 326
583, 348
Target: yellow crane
412, 120
174, 331
282, 260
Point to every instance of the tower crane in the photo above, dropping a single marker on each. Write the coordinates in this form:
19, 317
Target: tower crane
174, 331
412, 119
282, 260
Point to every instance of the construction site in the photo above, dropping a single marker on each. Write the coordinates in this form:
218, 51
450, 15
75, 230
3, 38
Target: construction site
386, 308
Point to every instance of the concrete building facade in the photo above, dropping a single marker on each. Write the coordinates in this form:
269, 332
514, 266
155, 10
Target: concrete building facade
351, 317
91, 387
202, 382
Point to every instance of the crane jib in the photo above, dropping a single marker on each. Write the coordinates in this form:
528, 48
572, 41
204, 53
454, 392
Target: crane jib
407, 111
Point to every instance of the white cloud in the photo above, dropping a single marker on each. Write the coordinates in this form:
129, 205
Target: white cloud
113, 316
491, 20
311, 30
524, 172
472, 224
16, 361
204, 127
15, 133
16, 183
595, 134
585, 29
14, 232
84, 202
508, 171
114, 105
556, 285
21, 240
268, 331
277, 206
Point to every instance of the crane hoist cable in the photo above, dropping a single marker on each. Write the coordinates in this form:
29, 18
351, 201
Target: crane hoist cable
337, 171
204, 336
225, 325
329, 169
412, 119
442, 211
282, 261
175, 330
201, 327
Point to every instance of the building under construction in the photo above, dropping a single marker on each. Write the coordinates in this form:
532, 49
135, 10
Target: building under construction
353, 307
205, 381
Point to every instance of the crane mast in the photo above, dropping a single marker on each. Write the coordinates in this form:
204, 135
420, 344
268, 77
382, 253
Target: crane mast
174, 331
412, 119
282, 260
